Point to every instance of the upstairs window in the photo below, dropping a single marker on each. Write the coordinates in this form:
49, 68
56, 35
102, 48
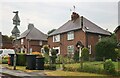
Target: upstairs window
56, 38
70, 35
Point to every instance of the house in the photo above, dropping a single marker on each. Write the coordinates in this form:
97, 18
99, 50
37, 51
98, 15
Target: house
77, 31
5, 42
117, 32
0, 40
32, 40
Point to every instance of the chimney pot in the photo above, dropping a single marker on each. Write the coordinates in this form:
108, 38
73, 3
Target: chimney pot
74, 16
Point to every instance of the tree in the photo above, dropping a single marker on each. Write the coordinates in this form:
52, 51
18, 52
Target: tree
106, 49
49, 32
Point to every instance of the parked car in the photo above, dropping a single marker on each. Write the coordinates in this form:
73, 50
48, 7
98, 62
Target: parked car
5, 52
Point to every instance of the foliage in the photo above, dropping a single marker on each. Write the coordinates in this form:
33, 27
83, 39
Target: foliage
46, 49
109, 67
5, 60
54, 56
21, 59
118, 52
76, 56
47, 58
86, 68
85, 54
106, 49
59, 59
49, 32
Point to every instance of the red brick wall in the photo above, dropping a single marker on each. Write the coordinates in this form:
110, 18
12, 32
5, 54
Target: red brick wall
78, 36
92, 40
118, 35
34, 44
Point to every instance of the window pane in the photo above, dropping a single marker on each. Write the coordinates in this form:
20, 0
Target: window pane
56, 38
70, 35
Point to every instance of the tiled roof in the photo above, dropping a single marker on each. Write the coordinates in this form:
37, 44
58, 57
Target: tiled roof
68, 26
88, 26
33, 34
117, 28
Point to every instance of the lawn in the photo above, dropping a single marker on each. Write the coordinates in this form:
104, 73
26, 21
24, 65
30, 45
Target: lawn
94, 64
68, 73
54, 73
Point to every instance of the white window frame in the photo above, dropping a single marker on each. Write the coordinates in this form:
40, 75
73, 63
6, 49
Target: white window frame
70, 35
70, 46
40, 43
22, 41
58, 49
90, 49
57, 37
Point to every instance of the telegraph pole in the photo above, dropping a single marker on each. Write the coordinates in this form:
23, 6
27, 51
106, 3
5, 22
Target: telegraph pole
15, 33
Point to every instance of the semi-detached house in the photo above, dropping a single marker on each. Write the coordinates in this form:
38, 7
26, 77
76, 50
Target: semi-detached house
78, 30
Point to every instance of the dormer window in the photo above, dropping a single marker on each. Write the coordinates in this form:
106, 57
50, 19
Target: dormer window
56, 38
70, 35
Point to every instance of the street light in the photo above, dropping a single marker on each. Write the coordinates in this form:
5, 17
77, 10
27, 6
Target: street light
15, 33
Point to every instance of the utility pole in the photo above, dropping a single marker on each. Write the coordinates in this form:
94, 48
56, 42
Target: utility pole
15, 33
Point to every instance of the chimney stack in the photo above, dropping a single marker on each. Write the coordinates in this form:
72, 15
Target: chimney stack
74, 16
30, 26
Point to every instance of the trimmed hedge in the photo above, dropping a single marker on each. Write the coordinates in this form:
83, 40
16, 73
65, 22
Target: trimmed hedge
21, 59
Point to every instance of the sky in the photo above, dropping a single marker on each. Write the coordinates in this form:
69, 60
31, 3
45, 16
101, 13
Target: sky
51, 14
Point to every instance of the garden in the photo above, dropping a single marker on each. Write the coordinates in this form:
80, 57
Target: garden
106, 62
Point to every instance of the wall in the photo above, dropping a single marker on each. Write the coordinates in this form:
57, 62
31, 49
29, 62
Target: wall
118, 35
78, 36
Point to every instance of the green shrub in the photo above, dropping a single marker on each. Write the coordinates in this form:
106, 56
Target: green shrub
106, 49
47, 58
76, 56
5, 60
46, 49
59, 59
85, 54
109, 67
21, 59
92, 69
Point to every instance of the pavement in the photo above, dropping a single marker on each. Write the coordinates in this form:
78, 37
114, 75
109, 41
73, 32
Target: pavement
22, 74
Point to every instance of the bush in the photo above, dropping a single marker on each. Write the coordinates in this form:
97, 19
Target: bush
86, 68
59, 59
76, 56
46, 49
106, 49
109, 67
47, 58
85, 54
21, 59
5, 60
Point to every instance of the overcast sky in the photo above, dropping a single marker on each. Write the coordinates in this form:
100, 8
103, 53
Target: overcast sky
49, 15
